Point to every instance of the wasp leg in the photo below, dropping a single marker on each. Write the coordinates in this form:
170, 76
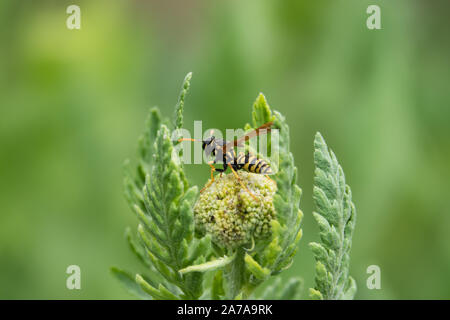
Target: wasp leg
212, 176
212, 171
222, 170
267, 176
242, 184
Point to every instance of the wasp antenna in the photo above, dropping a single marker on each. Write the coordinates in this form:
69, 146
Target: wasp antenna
186, 139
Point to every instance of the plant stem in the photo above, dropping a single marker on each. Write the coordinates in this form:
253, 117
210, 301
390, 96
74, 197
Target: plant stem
235, 274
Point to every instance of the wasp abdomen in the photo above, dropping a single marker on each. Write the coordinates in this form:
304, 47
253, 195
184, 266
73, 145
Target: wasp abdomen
251, 163
230, 157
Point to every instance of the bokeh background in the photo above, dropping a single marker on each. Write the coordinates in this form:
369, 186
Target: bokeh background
73, 102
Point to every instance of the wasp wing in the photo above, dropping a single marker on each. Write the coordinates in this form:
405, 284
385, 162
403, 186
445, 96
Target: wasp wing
264, 129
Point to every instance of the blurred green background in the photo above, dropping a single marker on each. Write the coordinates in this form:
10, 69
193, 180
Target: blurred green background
73, 103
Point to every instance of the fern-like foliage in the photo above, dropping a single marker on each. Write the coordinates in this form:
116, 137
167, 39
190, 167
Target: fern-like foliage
184, 263
243, 269
161, 197
277, 255
336, 217
279, 290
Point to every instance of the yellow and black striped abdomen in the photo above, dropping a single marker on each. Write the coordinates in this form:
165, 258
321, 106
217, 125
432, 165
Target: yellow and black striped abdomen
230, 157
251, 163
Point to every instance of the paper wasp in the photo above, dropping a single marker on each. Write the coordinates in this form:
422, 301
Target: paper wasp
224, 150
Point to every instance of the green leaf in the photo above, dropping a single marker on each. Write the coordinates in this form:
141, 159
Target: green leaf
160, 196
240, 296
336, 217
272, 290
315, 294
169, 205
179, 108
155, 293
166, 293
292, 290
350, 290
129, 283
195, 280
282, 289
255, 268
261, 111
288, 195
217, 291
146, 144
235, 275
209, 266
136, 250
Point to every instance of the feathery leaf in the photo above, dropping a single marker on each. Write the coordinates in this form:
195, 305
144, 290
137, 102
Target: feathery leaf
335, 216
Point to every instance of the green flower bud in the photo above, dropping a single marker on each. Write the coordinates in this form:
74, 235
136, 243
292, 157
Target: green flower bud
230, 214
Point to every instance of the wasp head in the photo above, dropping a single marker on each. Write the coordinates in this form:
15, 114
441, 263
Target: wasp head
209, 145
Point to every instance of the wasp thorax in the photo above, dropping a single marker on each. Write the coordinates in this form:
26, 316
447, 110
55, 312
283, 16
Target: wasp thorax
231, 215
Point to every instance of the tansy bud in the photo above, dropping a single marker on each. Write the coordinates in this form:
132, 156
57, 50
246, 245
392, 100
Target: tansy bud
230, 214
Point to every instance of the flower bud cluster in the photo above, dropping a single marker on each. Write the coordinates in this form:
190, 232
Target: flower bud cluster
230, 214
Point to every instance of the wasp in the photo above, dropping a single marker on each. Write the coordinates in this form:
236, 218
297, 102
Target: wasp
224, 150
